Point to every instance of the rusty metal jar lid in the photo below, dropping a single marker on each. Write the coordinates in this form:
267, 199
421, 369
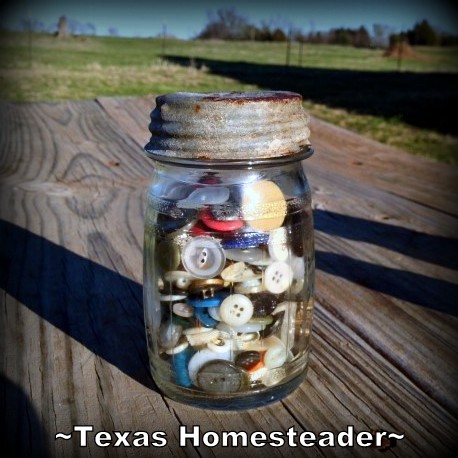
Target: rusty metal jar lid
228, 126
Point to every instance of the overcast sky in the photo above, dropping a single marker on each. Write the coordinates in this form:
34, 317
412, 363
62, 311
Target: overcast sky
185, 19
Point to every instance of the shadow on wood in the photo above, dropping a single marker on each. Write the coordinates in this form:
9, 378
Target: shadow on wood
94, 305
19, 437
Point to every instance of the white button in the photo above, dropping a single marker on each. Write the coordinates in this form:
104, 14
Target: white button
203, 257
278, 277
201, 338
298, 267
169, 334
249, 286
208, 195
201, 357
180, 278
288, 325
233, 272
238, 272
183, 310
278, 244
220, 345
171, 297
178, 349
236, 309
275, 356
249, 255
214, 313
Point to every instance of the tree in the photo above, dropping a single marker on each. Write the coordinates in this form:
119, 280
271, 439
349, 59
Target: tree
380, 35
423, 34
361, 38
227, 24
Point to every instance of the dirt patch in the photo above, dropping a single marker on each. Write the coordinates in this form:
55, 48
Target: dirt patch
402, 50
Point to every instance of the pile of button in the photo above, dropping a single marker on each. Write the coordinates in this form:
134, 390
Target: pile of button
230, 283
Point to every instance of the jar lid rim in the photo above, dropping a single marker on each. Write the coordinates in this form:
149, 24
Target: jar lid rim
232, 163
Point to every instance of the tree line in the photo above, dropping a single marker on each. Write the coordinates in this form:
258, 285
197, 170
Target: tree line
228, 24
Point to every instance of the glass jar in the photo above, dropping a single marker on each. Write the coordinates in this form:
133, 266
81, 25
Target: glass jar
229, 251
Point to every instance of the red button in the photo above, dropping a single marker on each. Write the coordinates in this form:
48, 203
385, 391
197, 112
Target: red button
220, 226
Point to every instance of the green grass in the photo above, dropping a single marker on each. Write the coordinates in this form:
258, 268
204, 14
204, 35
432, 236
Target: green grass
42, 67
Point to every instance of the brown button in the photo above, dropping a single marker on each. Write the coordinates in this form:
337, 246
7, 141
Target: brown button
248, 359
264, 303
206, 288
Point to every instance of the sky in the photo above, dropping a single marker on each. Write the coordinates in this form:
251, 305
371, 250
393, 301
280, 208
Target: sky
185, 19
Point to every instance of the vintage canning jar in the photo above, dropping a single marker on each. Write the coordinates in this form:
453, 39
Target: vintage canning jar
229, 253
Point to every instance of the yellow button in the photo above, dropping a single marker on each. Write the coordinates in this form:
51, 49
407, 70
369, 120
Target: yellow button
263, 205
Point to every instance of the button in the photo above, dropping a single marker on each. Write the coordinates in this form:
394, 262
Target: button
263, 205
245, 240
221, 226
278, 277
169, 225
236, 309
199, 230
248, 360
208, 195
276, 353
249, 287
179, 278
183, 310
247, 255
208, 302
167, 255
169, 334
278, 244
248, 327
220, 376
233, 272
172, 190
180, 365
238, 272
181, 346
264, 303
265, 320
202, 357
171, 297
200, 336
274, 327
219, 345
202, 315
206, 287
298, 267
203, 257
214, 313
288, 327
226, 212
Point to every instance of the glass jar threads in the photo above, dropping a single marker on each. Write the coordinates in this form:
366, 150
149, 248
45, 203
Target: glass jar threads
229, 252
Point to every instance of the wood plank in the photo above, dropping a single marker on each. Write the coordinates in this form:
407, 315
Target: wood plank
416, 178
79, 279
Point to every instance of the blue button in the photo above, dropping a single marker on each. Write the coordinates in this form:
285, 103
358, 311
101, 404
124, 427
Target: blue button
180, 366
202, 315
214, 301
244, 240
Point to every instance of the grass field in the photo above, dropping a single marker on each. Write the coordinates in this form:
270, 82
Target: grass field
355, 88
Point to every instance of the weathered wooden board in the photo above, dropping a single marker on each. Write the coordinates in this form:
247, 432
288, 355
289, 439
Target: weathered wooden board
72, 341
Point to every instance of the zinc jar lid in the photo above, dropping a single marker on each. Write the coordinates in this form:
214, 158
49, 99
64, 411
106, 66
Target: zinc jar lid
228, 126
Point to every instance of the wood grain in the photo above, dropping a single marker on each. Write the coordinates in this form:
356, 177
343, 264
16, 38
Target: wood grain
72, 344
